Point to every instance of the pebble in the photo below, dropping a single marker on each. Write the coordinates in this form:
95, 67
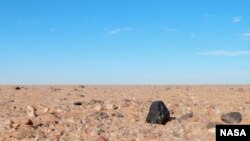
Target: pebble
111, 106
84, 121
231, 117
78, 103
212, 124
45, 110
29, 122
117, 115
81, 95
100, 138
217, 111
94, 101
100, 115
186, 116
98, 107
18, 88
82, 86
31, 112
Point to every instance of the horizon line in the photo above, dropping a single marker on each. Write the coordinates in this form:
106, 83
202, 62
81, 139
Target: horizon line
121, 84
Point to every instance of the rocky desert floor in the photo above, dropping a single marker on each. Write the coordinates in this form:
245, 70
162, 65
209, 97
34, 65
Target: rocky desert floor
116, 113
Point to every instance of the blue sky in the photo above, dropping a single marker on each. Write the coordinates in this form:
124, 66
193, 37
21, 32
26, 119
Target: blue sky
124, 42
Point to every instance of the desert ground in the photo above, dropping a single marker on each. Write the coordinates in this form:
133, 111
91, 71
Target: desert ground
117, 113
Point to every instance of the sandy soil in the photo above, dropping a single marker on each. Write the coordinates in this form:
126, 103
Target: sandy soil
116, 113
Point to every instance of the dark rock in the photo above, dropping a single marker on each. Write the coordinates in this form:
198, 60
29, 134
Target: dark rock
158, 113
18, 88
186, 116
82, 86
78, 103
232, 117
29, 122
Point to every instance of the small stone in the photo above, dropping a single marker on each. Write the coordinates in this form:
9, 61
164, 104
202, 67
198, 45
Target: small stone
124, 105
117, 115
100, 115
45, 110
100, 138
94, 101
111, 106
78, 103
18, 88
31, 112
11, 100
98, 107
231, 118
82, 86
212, 124
29, 122
186, 116
158, 113
70, 120
217, 111
81, 95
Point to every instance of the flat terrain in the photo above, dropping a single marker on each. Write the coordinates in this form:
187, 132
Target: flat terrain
116, 113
